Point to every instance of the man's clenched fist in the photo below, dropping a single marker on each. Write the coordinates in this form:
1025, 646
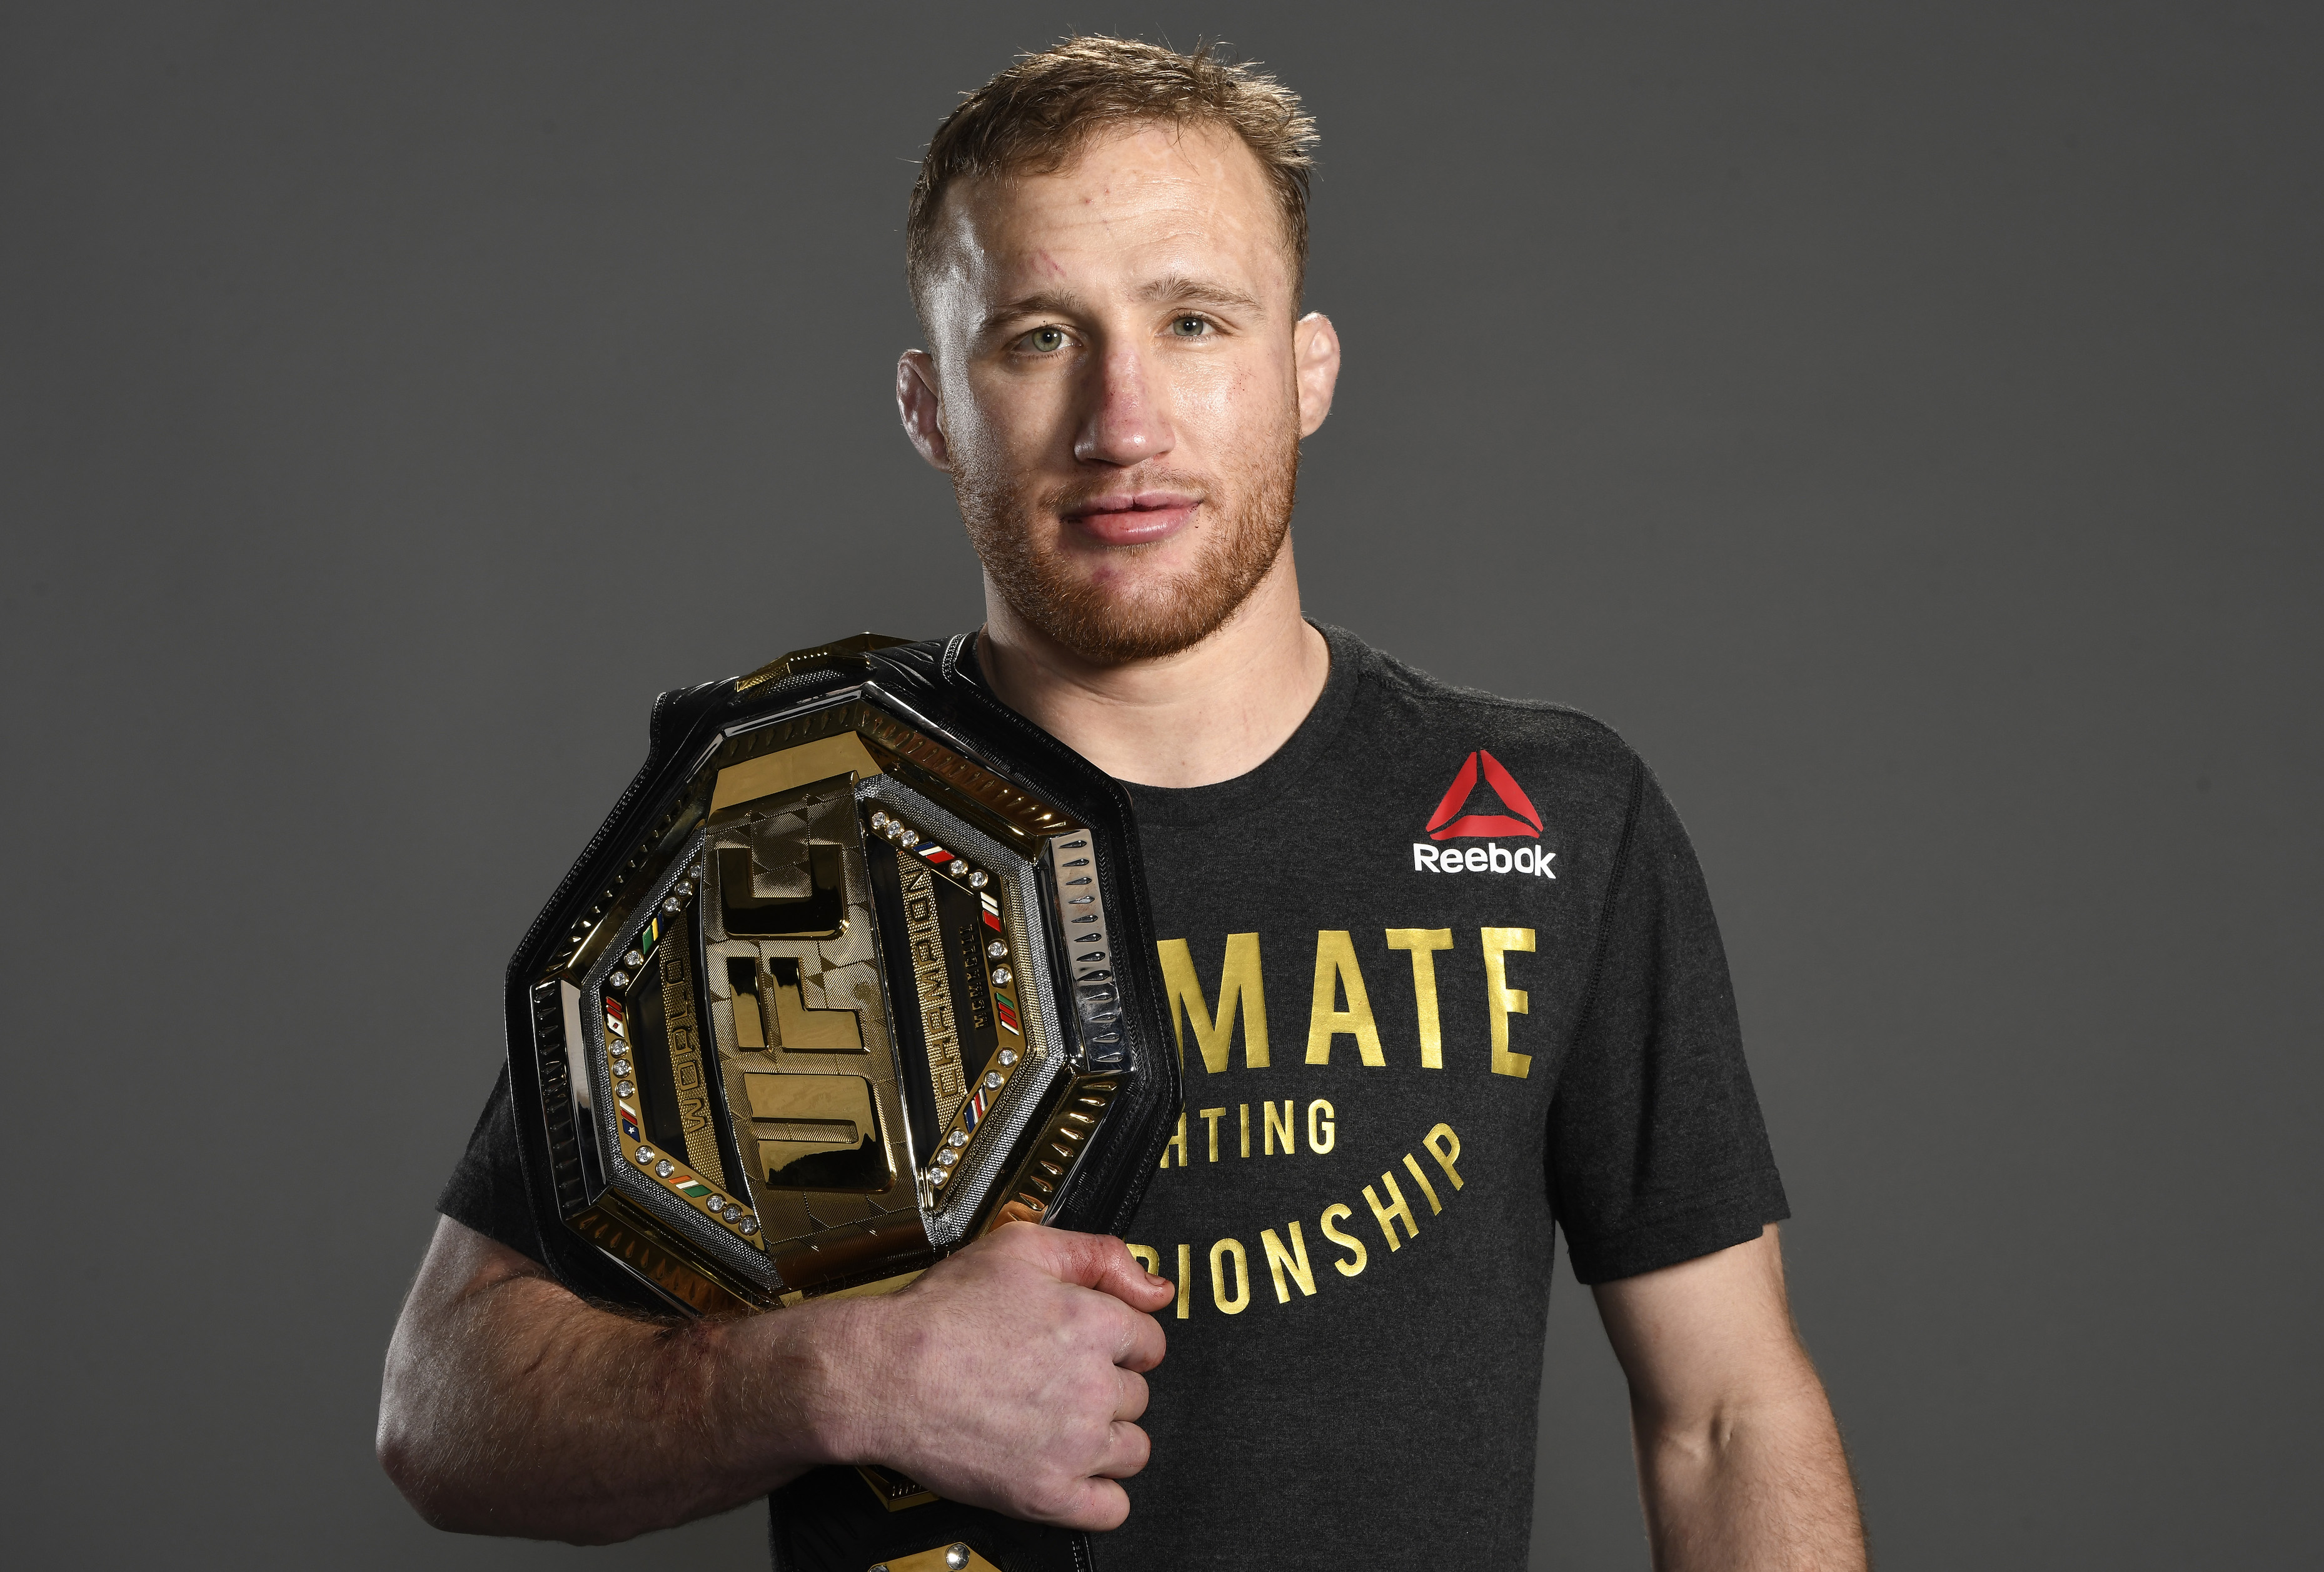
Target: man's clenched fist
1010, 1375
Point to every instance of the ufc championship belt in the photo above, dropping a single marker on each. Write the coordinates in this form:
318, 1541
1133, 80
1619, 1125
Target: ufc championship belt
859, 963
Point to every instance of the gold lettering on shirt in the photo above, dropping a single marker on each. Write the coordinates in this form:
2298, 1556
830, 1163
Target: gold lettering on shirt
1445, 1148
1241, 988
1502, 1000
1335, 967
1240, 1300
1436, 1206
1345, 1241
1293, 1262
1246, 1130
1288, 1125
1321, 1112
1178, 1140
1212, 1117
1423, 943
1396, 1207
1284, 1247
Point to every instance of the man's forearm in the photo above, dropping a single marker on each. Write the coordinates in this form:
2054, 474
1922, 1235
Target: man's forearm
510, 1407
1740, 1460
1763, 1487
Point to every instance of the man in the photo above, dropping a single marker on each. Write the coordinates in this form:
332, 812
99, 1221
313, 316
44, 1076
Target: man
1443, 966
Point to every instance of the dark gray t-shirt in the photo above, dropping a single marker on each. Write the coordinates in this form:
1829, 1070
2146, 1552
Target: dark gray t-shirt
1408, 1059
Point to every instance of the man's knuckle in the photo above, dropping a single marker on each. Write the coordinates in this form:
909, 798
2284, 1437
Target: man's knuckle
1052, 1496
1086, 1320
1136, 1447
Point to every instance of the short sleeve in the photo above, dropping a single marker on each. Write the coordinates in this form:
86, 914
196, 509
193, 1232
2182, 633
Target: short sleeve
1657, 1152
486, 1191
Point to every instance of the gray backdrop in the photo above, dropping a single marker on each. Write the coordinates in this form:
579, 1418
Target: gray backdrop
1904, 427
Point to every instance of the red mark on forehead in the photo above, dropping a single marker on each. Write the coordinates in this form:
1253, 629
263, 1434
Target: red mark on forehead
1048, 264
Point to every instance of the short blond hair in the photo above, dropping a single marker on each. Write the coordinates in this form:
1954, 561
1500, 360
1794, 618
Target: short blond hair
1037, 115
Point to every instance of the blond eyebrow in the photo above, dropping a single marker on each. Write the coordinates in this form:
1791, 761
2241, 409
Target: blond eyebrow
1172, 288
1178, 287
1040, 303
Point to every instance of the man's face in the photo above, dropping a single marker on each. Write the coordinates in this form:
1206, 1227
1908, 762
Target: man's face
1118, 387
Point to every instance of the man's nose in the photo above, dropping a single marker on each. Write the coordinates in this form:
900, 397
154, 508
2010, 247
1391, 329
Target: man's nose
1126, 422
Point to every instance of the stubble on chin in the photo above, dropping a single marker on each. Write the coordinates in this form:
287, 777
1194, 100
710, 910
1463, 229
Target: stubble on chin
1125, 615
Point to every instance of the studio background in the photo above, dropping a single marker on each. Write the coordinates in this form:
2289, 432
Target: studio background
1903, 424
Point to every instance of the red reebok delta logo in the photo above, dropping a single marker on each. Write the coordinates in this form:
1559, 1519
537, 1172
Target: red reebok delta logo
1519, 816
1444, 826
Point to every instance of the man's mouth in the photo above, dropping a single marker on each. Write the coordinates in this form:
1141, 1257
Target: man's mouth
1131, 518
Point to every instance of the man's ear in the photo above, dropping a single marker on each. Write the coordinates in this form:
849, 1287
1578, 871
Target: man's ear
1316, 360
919, 408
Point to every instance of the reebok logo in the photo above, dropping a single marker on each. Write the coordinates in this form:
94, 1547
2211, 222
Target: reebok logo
1518, 816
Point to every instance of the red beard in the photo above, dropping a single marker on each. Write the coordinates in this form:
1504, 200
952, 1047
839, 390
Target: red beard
1103, 619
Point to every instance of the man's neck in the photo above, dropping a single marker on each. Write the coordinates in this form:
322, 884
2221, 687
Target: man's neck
1203, 715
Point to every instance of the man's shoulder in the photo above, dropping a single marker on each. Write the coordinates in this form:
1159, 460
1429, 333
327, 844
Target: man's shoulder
1446, 762
1415, 703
